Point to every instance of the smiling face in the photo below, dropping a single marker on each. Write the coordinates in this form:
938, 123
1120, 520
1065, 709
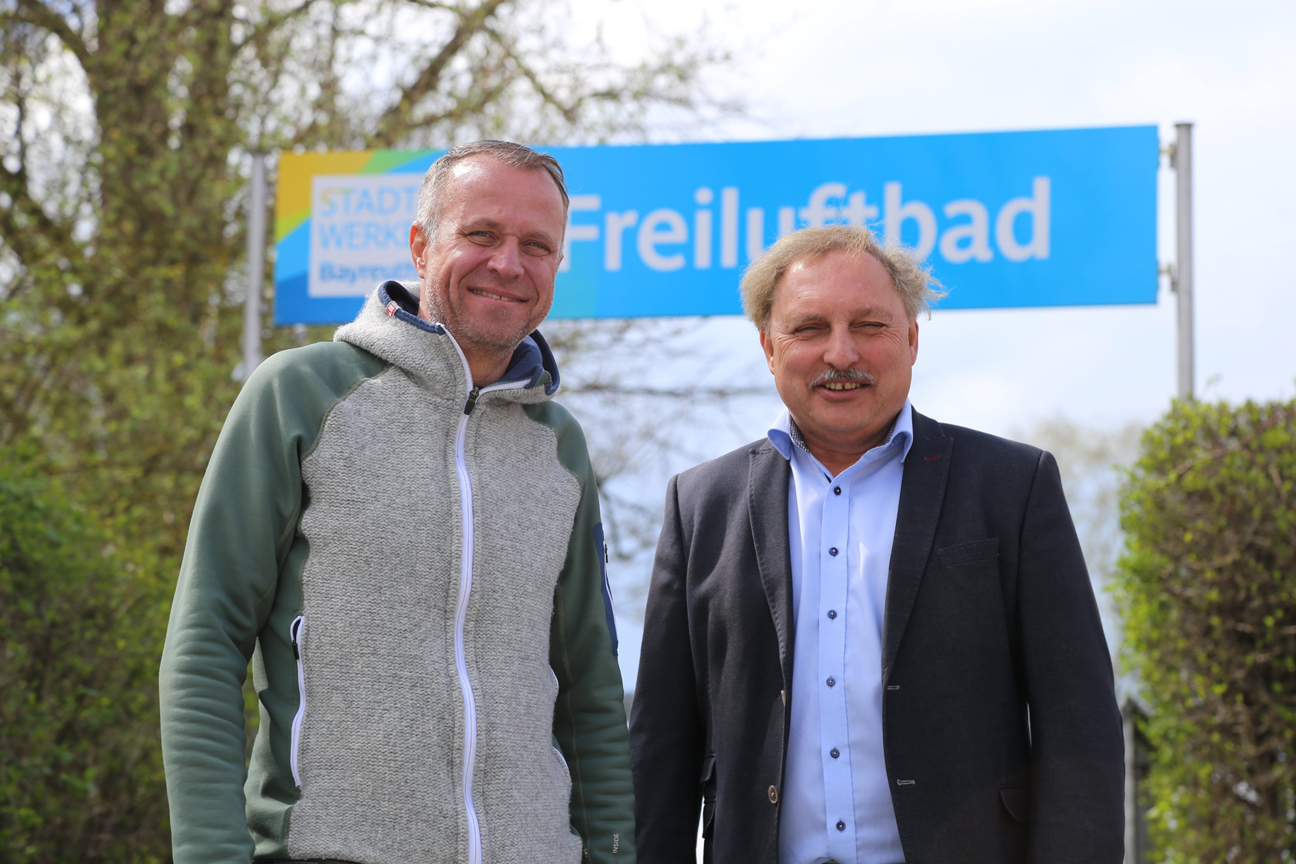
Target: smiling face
488, 273
842, 350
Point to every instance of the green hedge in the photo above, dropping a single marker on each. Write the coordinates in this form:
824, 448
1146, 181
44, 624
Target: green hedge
1207, 588
80, 768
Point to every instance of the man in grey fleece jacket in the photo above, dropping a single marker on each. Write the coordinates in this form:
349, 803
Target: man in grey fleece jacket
400, 530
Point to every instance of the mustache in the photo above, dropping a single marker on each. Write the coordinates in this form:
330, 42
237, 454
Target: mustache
843, 376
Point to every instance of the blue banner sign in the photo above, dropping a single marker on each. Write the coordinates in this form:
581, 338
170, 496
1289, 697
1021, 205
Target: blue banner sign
1006, 219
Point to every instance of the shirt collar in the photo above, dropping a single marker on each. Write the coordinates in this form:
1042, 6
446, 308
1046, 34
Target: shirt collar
784, 435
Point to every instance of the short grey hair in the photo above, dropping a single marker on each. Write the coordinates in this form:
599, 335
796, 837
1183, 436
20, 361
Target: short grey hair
917, 289
432, 192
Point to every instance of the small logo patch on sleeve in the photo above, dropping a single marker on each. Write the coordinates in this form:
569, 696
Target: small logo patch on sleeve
391, 308
601, 551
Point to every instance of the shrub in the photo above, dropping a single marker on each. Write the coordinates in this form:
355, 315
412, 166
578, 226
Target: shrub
1207, 588
80, 767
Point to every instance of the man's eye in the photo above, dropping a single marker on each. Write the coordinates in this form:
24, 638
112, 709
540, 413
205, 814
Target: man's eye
535, 247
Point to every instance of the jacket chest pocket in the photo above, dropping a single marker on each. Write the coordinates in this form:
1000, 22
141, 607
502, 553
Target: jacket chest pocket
965, 603
977, 551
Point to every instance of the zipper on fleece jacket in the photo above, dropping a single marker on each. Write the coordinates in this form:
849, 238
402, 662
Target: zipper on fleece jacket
295, 632
461, 615
461, 605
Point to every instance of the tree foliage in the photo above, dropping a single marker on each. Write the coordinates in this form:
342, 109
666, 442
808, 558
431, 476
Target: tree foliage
1208, 591
125, 127
79, 766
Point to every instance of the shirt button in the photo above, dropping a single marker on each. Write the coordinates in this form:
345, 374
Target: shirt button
773, 795
834, 753
841, 826
833, 551
832, 681
832, 613
836, 490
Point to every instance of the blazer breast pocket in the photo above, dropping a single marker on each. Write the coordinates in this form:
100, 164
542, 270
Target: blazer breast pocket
964, 608
969, 553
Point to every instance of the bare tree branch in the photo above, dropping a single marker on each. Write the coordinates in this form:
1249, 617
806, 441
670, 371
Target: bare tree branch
26, 227
274, 21
570, 113
468, 106
397, 118
39, 15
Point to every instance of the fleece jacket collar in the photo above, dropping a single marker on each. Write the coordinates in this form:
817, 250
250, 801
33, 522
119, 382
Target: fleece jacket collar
388, 327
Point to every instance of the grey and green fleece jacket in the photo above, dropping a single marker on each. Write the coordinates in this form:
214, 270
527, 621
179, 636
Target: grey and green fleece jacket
415, 569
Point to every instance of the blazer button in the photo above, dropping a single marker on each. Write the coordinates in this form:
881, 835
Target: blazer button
773, 795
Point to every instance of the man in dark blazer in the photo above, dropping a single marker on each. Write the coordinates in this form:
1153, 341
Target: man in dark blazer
834, 689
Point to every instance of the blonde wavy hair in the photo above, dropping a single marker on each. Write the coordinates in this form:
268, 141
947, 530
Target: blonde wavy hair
917, 289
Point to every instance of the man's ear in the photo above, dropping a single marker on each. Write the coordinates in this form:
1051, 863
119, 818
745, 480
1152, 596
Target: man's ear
767, 345
913, 342
418, 245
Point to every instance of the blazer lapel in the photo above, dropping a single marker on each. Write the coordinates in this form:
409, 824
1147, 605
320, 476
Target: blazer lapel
922, 492
767, 497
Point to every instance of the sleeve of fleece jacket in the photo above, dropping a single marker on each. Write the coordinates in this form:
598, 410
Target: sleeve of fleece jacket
242, 528
589, 717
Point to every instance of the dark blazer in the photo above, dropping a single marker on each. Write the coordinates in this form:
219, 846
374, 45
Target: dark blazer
1002, 737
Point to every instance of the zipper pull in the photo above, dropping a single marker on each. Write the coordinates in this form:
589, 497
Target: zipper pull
472, 400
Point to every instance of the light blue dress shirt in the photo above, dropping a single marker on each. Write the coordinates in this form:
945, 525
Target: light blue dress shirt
836, 795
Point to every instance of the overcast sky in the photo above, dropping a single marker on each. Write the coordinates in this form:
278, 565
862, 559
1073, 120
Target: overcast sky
858, 68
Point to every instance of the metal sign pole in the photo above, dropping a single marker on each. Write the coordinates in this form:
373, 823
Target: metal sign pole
256, 268
1181, 161
1128, 711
